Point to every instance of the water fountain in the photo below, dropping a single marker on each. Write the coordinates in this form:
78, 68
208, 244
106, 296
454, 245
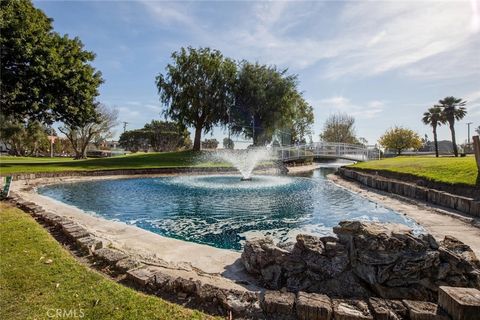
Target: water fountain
244, 161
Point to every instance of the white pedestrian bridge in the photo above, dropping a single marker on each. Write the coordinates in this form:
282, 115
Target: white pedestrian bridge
326, 150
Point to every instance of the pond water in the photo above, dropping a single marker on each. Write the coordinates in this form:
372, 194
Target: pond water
222, 211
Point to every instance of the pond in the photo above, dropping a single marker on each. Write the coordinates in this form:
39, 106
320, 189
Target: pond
221, 210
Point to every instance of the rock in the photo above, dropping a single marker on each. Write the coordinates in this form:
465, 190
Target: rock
279, 304
460, 303
78, 234
422, 310
142, 276
159, 279
346, 285
312, 306
387, 309
109, 256
309, 244
185, 285
205, 291
89, 243
126, 264
259, 253
344, 309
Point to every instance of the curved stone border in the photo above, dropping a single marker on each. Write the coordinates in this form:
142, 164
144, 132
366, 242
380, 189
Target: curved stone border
463, 204
250, 304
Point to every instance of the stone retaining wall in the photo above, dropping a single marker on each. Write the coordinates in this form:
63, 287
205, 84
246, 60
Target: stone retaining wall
463, 204
244, 303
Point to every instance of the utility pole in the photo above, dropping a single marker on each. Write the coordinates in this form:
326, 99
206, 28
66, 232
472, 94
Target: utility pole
124, 126
468, 137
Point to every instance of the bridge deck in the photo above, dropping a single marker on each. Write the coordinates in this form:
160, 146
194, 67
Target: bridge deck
327, 150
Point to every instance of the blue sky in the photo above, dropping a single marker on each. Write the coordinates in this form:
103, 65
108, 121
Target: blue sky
383, 62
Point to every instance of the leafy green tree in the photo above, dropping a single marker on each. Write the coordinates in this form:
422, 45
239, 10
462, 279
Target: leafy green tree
434, 117
159, 135
228, 143
80, 136
267, 100
400, 139
23, 139
135, 140
339, 128
197, 89
300, 119
44, 76
210, 144
453, 109
166, 136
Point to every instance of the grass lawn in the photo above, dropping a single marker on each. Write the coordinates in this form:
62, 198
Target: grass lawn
10, 165
32, 289
444, 169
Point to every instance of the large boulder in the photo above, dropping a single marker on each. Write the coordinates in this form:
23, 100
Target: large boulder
363, 260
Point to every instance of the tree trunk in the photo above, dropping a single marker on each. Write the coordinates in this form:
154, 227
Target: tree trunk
399, 151
435, 140
454, 142
198, 137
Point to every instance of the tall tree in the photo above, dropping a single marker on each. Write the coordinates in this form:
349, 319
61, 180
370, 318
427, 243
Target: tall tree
267, 100
81, 135
197, 89
453, 109
340, 128
434, 117
45, 76
478, 130
399, 139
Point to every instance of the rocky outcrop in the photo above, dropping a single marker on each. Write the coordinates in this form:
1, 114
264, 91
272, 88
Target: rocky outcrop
364, 260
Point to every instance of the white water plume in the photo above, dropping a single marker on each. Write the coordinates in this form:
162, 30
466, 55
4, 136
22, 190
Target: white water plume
244, 160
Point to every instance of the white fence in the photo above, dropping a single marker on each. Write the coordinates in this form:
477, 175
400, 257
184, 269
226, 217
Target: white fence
327, 150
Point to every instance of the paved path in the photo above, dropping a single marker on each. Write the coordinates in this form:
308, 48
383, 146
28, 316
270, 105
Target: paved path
438, 222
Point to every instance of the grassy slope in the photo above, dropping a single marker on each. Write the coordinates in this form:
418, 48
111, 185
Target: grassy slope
10, 165
448, 170
29, 287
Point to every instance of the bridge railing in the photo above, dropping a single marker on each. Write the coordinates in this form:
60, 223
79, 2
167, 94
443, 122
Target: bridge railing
327, 150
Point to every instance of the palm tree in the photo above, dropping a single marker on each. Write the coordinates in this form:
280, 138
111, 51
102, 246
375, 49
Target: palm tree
435, 118
453, 109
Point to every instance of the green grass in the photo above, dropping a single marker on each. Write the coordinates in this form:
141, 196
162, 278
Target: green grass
9, 165
32, 289
444, 169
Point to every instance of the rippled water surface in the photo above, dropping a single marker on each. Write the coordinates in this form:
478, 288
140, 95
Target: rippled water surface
220, 210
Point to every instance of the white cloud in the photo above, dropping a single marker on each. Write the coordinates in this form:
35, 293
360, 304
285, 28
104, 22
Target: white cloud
412, 33
369, 110
473, 105
432, 39
170, 13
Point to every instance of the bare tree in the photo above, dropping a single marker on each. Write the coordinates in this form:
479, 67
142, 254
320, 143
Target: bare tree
101, 129
339, 128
